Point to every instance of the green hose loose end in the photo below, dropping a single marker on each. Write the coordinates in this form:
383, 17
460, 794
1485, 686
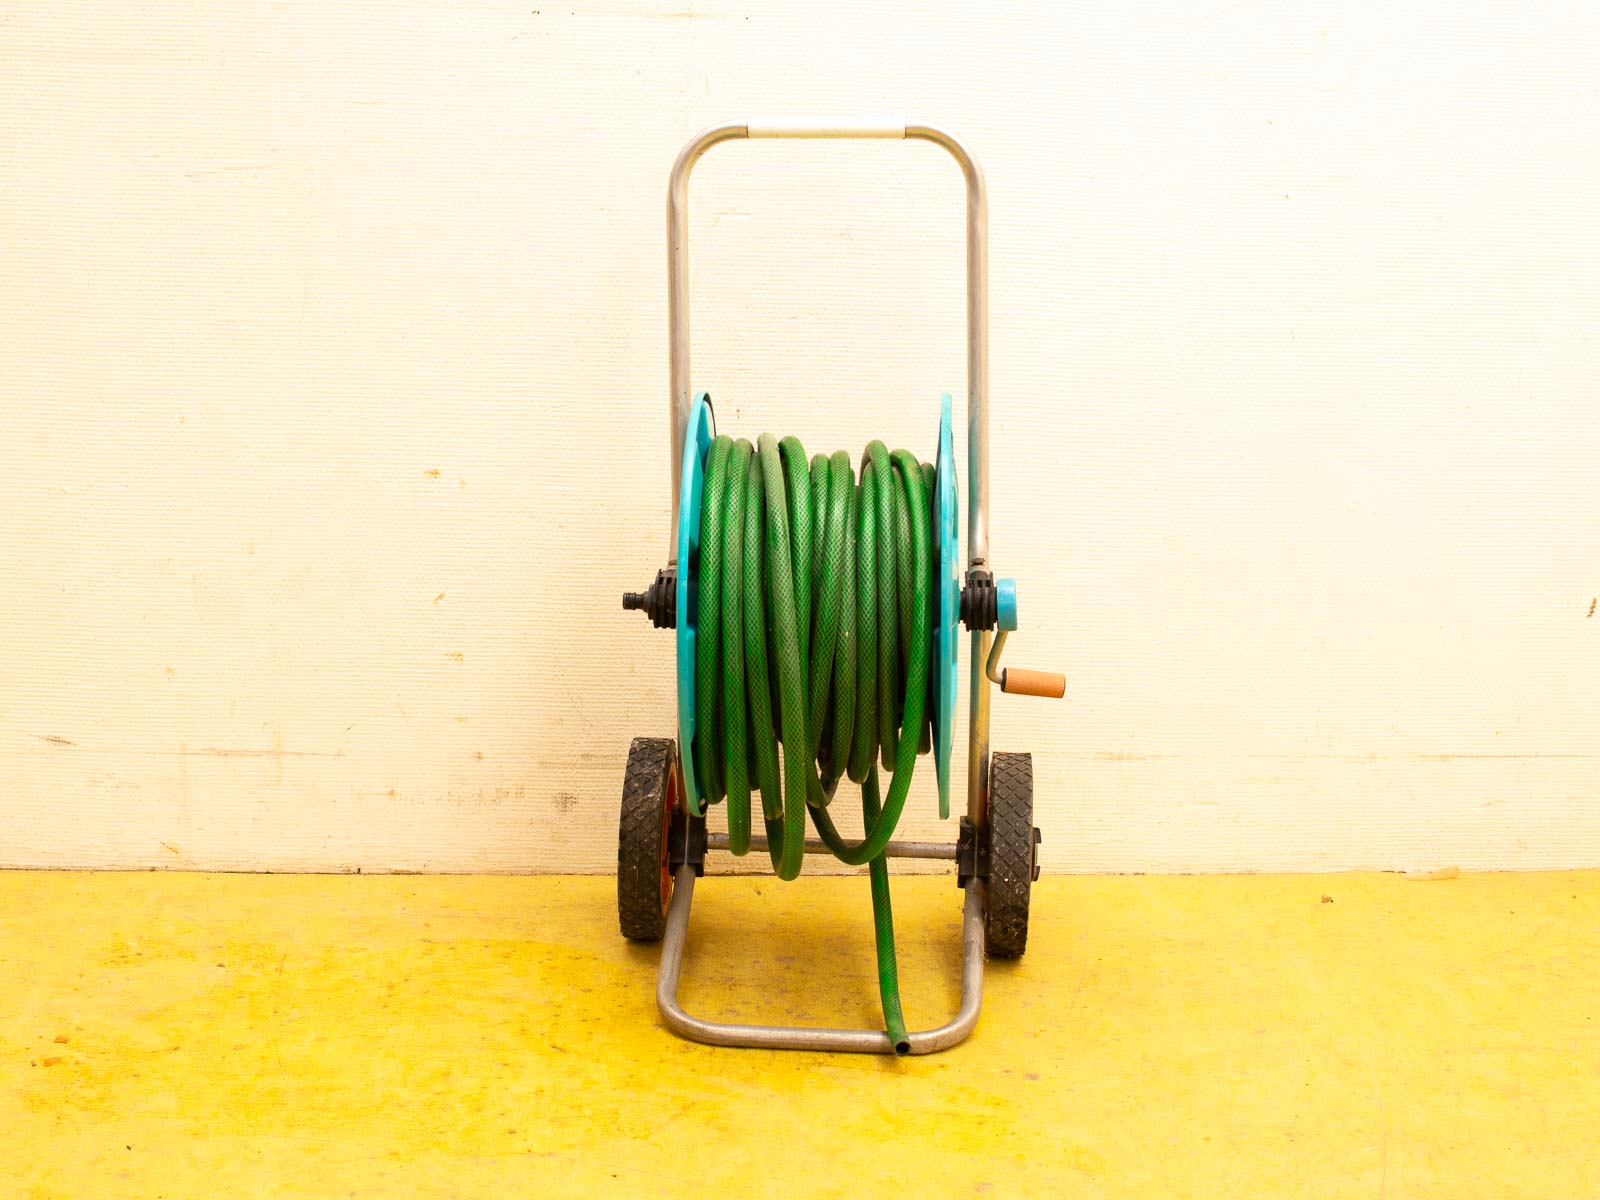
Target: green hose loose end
894, 1021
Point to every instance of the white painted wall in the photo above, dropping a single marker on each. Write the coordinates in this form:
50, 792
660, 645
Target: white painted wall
333, 385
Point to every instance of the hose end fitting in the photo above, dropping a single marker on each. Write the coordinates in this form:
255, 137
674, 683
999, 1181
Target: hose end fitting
659, 600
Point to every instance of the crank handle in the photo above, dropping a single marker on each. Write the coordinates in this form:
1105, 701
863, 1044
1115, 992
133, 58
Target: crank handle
1017, 681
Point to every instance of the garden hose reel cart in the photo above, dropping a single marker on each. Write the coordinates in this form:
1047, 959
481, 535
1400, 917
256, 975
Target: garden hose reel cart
814, 611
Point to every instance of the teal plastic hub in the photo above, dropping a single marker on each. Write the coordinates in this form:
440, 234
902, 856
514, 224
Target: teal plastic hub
1005, 602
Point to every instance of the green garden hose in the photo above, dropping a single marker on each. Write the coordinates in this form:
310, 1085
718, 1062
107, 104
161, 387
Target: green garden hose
814, 612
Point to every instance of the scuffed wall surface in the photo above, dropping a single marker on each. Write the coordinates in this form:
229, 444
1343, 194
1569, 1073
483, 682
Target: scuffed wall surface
334, 395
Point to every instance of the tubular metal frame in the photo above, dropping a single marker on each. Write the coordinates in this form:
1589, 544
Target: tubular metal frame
777, 1037
794, 1037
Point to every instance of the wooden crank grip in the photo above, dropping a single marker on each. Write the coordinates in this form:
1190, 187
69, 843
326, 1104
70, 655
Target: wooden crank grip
1019, 682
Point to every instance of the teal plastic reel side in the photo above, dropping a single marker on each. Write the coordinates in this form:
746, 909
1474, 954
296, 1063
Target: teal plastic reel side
947, 587
702, 429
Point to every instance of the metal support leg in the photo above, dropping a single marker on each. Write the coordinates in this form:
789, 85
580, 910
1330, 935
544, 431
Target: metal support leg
788, 1037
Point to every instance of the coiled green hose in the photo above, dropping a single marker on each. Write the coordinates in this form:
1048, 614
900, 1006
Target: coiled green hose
814, 617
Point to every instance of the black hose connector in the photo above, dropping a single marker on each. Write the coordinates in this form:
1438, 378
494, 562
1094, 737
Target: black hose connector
659, 600
980, 609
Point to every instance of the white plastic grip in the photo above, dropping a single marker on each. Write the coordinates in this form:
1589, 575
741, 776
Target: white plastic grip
804, 129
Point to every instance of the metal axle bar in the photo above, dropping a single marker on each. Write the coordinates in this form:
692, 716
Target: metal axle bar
719, 841
792, 1037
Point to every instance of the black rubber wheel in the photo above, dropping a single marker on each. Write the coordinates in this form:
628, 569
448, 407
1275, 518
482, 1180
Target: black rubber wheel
644, 882
1013, 854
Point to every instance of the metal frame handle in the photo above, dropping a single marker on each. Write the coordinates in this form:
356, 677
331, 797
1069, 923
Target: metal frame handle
977, 294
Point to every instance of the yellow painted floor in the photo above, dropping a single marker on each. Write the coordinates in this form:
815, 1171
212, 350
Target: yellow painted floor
191, 1035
